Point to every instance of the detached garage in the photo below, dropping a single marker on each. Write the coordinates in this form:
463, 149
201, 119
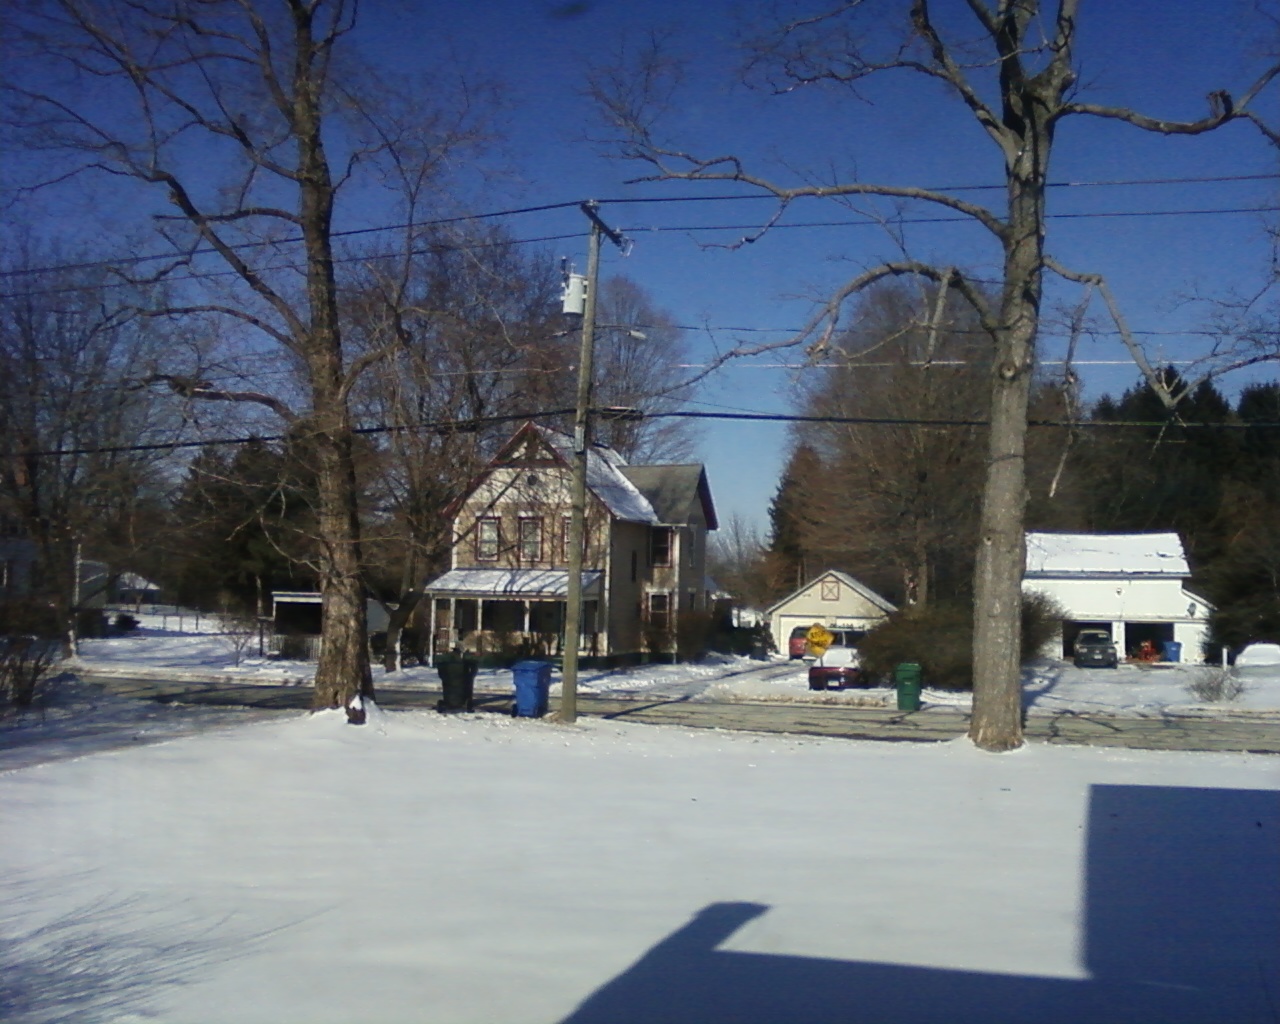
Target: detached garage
1130, 584
835, 599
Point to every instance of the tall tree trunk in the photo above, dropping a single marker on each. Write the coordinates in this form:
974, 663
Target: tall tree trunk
344, 675
1001, 557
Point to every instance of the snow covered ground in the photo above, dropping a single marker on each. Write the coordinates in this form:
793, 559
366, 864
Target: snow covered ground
478, 868
169, 645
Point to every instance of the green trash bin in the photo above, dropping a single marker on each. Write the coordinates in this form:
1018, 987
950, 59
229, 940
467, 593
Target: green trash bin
907, 679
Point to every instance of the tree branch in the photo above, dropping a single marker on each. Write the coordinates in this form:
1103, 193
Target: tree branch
1130, 342
191, 388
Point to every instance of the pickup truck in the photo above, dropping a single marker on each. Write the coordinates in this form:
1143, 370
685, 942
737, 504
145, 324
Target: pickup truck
1095, 648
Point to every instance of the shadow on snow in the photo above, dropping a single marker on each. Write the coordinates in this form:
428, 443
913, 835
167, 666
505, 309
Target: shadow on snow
1182, 916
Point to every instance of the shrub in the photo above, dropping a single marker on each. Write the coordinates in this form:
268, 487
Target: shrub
1041, 623
25, 664
940, 637
1215, 684
656, 637
125, 623
743, 640
693, 634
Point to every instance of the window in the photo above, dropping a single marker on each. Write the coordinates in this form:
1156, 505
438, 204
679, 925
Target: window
660, 545
659, 612
831, 590
488, 540
530, 540
566, 527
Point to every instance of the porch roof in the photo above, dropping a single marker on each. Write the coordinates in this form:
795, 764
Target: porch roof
511, 583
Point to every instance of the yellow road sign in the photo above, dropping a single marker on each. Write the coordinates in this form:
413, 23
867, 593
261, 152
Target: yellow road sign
818, 639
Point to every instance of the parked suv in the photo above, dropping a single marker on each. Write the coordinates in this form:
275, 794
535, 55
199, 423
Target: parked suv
1094, 648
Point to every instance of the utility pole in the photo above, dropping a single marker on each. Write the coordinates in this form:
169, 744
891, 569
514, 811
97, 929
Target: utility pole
581, 448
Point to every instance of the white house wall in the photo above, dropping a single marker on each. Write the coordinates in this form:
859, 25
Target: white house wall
1120, 601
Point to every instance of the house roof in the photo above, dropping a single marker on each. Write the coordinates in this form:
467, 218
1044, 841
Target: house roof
132, 581
1105, 554
674, 492
605, 478
509, 583
848, 581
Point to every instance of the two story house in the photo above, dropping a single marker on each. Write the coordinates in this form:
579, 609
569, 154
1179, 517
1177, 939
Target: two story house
644, 560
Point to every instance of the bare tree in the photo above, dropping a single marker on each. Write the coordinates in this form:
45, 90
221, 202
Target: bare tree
1014, 72
639, 352
71, 476
736, 560
480, 341
248, 118
897, 504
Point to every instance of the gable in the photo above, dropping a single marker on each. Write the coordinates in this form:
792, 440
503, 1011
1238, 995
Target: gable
537, 446
680, 495
834, 591
528, 447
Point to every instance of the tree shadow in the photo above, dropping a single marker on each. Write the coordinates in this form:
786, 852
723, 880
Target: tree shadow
103, 961
1182, 916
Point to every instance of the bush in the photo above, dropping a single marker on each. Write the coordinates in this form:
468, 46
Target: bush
125, 623
743, 640
940, 637
91, 624
1215, 685
1041, 624
693, 634
25, 664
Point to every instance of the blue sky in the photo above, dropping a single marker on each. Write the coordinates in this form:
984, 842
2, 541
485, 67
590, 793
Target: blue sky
1161, 56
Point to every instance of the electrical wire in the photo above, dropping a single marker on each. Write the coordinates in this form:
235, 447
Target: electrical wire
136, 260
471, 425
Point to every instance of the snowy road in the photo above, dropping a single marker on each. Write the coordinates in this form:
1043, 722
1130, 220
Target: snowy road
677, 706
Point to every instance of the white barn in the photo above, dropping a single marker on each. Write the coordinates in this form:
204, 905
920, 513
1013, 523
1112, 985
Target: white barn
834, 599
1130, 584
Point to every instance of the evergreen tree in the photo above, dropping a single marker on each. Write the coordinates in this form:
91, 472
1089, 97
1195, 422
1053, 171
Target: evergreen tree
788, 562
241, 520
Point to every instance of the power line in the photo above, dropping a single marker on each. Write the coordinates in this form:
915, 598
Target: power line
136, 260
869, 222
866, 222
445, 427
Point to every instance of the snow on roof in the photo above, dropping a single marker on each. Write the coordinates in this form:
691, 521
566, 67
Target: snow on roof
132, 581
605, 479
513, 582
1106, 554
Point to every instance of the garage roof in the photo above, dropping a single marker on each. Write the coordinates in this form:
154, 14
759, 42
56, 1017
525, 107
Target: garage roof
1105, 554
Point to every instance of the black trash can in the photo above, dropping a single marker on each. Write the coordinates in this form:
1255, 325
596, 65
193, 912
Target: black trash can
457, 681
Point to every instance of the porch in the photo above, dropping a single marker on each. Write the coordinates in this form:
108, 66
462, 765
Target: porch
510, 614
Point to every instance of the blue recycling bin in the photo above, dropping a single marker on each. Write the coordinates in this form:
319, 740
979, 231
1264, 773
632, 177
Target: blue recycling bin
1172, 650
533, 684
